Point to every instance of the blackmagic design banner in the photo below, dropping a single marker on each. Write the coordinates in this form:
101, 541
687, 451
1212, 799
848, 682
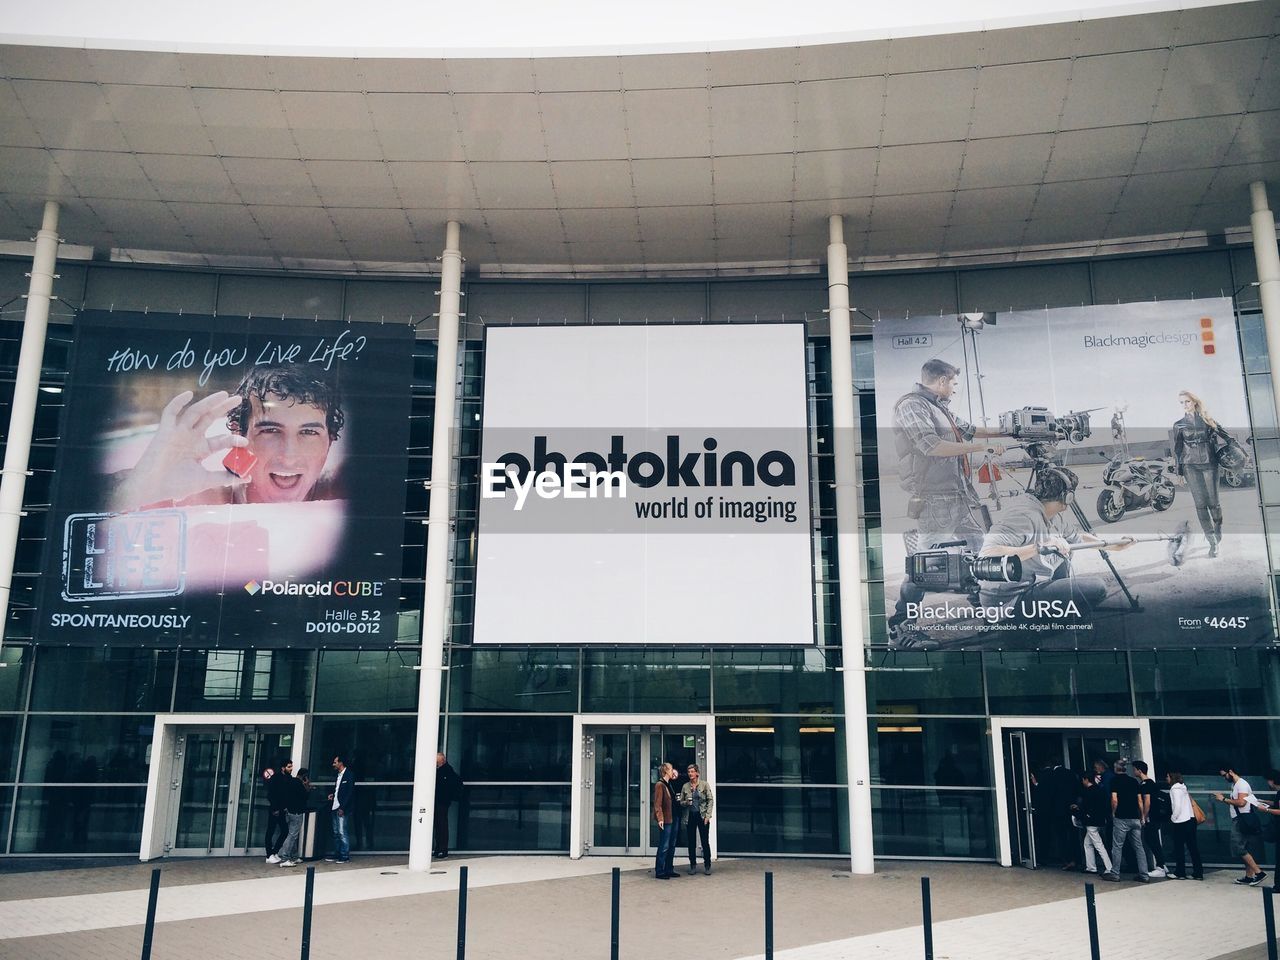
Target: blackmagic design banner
645, 485
1078, 478
229, 482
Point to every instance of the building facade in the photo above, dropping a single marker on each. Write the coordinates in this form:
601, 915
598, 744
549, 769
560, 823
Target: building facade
124, 748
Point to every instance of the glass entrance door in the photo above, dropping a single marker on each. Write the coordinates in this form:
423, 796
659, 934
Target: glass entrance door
620, 767
1039, 830
217, 781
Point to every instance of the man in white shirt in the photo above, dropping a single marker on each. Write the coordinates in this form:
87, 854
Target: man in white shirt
342, 801
1246, 835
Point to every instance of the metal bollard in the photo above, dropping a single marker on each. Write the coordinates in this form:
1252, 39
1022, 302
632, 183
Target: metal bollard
307, 899
768, 915
613, 923
462, 913
1091, 908
1268, 905
926, 906
148, 932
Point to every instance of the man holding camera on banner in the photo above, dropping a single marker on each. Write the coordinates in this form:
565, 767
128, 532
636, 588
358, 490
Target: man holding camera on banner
933, 447
1038, 530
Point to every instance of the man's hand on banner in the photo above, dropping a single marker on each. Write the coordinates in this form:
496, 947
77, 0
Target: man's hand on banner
171, 468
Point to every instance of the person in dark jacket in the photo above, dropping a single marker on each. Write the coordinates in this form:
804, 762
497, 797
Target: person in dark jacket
341, 804
448, 789
294, 797
1093, 810
1195, 440
277, 828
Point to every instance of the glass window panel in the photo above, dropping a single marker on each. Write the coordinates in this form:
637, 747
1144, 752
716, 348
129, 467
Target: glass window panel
380, 822
782, 820
216, 681
908, 682
512, 818
87, 749
79, 820
107, 679
1253, 343
1207, 682
1262, 407
1267, 455
13, 676
909, 751
367, 681
1197, 747
1058, 683
790, 681
511, 748
376, 748
542, 681
933, 823
10, 730
761, 749
655, 681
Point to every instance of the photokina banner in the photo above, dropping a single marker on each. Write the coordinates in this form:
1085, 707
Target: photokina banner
645, 485
229, 482
1071, 478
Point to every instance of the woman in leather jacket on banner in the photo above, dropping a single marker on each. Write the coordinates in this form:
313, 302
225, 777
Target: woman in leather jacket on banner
1195, 442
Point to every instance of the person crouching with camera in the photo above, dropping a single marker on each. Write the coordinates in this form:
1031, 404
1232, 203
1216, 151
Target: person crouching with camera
1039, 530
933, 447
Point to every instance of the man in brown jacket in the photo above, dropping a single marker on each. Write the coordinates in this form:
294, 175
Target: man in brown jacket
663, 865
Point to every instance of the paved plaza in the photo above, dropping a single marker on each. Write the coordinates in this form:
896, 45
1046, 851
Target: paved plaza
540, 908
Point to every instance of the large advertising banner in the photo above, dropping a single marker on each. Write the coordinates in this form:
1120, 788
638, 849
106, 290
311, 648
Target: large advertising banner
229, 482
1075, 478
645, 485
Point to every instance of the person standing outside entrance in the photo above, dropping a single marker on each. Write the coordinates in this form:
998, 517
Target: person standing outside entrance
1246, 837
342, 802
448, 789
1153, 817
1126, 828
277, 828
697, 802
663, 815
933, 447
1183, 822
293, 795
1092, 810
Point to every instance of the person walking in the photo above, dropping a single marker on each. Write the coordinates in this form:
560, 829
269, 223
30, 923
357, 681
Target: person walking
1126, 828
1183, 823
277, 828
1270, 827
1195, 442
448, 789
1155, 814
1093, 809
1246, 830
697, 802
341, 805
663, 815
293, 795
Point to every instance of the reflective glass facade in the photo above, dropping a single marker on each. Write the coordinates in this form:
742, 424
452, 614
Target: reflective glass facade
77, 723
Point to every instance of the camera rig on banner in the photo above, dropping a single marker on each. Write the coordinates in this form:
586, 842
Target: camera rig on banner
952, 568
1041, 452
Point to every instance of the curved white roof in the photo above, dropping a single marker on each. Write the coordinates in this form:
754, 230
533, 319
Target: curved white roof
520, 28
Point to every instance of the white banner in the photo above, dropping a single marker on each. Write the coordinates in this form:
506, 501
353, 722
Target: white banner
703, 534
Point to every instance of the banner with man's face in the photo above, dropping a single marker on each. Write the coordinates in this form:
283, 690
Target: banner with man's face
229, 482
1078, 478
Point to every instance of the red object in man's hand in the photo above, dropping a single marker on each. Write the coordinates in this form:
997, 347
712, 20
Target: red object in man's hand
239, 461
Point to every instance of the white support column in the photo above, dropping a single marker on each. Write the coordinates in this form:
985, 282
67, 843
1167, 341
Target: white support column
436, 602
849, 553
26, 391
1267, 256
